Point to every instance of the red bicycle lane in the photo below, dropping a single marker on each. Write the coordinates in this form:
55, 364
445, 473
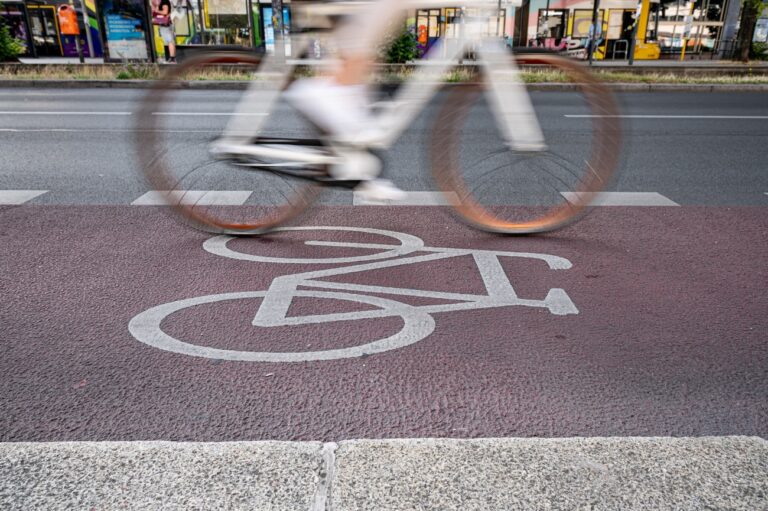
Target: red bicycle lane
669, 338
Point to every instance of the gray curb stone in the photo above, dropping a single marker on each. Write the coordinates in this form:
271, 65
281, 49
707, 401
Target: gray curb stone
424, 474
269, 476
553, 474
235, 85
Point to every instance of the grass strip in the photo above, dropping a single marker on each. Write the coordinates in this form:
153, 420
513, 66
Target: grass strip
466, 74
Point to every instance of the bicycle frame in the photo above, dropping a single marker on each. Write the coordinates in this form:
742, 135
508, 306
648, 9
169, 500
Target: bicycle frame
513, 111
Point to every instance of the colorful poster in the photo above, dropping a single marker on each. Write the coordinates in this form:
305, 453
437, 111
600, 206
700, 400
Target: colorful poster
269, 29
125, 28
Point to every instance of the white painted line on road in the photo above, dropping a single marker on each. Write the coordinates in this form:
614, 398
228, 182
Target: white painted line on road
16, 197
216, 114
106, 130
629, 116
22, 112
623, 198
411, 199
188, 197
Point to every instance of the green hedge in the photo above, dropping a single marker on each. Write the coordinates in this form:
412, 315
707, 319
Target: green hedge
10, 48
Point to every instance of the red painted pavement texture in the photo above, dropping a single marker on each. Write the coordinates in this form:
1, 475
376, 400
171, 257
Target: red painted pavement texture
670, 339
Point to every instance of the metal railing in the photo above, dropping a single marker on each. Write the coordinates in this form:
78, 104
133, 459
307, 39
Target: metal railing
624, 52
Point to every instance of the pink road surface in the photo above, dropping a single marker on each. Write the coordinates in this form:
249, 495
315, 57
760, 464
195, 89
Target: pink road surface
669, 339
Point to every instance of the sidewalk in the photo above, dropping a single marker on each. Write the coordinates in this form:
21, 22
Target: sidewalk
427, 474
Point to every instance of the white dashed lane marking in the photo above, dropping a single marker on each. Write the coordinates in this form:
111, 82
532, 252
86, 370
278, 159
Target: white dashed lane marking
15, 197
199, 197
240, 197
209, 114
630, 116
29, 112
624, 199
411, 199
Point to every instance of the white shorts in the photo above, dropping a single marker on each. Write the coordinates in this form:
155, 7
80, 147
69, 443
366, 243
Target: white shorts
167, 34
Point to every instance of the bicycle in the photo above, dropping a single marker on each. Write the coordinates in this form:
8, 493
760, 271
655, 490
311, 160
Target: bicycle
517, 186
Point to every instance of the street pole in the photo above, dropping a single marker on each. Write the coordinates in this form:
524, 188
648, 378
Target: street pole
593, 37
498, 18
638, 11
77, 36
687, 31
87, 25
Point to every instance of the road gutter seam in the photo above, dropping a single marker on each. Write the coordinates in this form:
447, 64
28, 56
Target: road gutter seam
325, 475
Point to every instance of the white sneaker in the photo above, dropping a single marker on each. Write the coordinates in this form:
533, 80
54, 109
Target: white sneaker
379, 190
355, 165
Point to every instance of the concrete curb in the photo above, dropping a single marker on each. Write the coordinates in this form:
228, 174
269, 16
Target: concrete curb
445, 474
235, 85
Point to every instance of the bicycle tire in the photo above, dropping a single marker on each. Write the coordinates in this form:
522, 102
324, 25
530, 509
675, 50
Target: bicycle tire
171, 179
564, 206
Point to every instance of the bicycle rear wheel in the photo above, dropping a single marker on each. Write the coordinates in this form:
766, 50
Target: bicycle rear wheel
176, 126
501, 190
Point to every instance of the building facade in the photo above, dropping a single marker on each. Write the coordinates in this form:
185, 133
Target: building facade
660, 28
120, 30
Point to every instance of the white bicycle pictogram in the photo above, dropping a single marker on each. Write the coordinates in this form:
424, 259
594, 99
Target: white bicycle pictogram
418, 320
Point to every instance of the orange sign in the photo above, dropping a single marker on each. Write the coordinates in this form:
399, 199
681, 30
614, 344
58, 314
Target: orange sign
422, 35
68, 21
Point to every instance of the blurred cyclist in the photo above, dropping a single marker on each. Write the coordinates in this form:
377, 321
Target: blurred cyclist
339, 103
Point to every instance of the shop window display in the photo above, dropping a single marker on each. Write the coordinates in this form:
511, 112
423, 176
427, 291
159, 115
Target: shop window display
226, 22
666, 24
13, 17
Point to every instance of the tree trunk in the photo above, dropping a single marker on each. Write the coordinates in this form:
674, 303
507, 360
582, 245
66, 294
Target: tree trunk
749, 13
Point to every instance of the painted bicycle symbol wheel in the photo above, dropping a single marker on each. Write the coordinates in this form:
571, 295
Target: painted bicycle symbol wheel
417, 325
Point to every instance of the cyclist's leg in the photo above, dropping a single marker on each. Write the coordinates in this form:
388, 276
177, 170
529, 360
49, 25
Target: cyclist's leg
343, 112
338, 102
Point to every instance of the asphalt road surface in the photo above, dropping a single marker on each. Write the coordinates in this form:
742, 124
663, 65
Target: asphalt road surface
647, 318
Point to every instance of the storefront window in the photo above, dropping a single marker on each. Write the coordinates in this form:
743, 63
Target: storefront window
761, 31
582, 20
666, 24
496, 24
452, 19
13, 17
553, 23
45, 31
427, 28
702, 10
187, 24
226, 22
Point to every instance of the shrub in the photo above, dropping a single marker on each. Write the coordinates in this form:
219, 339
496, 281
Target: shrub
10, 48
402, 49
137, 72
759, 51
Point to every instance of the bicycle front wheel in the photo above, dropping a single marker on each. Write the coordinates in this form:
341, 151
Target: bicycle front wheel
515, 192
178, 123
